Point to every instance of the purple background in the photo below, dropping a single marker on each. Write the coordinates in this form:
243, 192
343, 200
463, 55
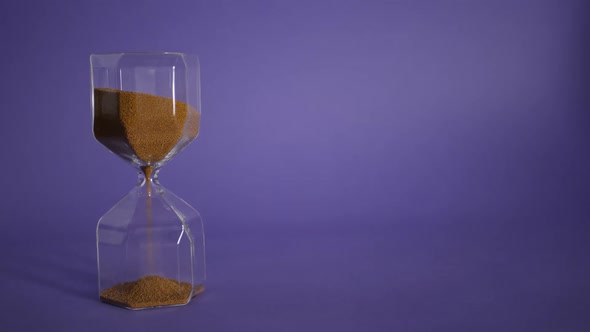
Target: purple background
362, 165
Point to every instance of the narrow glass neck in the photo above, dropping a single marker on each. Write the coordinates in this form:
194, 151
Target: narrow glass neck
148, 176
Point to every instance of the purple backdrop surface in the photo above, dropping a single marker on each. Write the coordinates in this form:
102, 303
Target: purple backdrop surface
362, 165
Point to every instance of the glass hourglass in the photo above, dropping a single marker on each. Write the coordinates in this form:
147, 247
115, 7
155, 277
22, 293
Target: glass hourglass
150, 245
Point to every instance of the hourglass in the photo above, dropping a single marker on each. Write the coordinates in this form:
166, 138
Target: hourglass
150, 245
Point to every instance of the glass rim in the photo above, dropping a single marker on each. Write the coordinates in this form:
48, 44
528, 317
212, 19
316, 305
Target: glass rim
143, 53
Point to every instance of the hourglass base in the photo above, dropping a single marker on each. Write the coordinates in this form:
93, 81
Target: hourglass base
150, 292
